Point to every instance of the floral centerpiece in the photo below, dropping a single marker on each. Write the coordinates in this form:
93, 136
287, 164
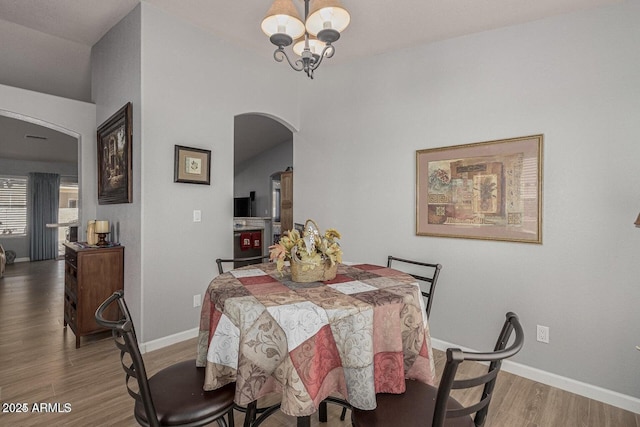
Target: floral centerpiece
312, 256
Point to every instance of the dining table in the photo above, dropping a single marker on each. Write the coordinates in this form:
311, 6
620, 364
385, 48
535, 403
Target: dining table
361, 333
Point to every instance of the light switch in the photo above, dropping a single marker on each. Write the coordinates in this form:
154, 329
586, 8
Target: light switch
197, 216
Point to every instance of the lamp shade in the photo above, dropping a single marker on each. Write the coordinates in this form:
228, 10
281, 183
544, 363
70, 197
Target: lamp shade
283, 18
315, 46
327, 14
637, 223
102, 226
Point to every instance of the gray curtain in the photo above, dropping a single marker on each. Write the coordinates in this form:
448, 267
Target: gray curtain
44, 195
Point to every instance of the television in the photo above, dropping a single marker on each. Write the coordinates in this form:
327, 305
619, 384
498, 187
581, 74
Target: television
241, 206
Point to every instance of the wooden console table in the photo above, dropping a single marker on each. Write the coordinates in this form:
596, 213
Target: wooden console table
91, 275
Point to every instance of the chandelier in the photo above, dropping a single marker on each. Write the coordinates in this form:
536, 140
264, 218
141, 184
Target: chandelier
314, 38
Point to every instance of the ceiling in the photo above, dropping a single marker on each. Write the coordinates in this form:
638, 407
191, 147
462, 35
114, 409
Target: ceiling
371, 32
377, 26
254, 134
20, 140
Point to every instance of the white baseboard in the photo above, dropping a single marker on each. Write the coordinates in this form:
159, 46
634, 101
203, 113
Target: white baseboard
169, 340
590, 391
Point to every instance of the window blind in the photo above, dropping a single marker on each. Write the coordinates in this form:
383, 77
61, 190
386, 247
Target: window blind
13, 205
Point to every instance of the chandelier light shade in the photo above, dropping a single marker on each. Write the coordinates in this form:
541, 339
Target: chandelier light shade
327, 15
283, 18
322, 26
315, 46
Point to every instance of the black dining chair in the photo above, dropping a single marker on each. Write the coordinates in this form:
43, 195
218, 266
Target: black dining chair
428, 406
428, 275
240, 262
172, 397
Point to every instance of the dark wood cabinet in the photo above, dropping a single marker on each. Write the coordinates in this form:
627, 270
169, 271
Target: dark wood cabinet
91, 275
286, 201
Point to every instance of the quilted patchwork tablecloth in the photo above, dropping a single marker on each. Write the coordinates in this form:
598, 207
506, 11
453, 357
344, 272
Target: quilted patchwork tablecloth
360, 334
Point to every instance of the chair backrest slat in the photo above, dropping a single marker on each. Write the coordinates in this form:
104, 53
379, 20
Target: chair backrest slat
456, 413
456, 356
476, 381
431, 280
126, 341
240, 261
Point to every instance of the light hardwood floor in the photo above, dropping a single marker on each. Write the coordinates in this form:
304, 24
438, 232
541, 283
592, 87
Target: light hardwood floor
40, 364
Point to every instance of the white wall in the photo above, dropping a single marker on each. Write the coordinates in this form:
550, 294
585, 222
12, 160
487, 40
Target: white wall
575, 79
255, 173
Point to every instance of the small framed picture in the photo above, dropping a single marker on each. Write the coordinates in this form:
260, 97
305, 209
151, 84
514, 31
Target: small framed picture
192, 165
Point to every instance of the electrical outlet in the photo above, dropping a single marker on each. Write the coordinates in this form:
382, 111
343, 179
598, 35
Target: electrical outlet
543, 334
196, 300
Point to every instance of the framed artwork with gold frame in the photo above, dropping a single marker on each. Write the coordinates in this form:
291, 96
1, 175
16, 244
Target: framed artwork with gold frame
486, 190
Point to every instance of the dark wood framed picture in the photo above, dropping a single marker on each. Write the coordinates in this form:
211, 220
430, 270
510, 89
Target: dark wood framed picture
114, 158
485, 190
192, 165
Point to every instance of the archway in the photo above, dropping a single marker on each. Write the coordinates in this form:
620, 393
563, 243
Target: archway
263, 146
74, 118
33, 145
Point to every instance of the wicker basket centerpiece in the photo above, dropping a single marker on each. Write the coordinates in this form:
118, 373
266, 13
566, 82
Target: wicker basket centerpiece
313, 257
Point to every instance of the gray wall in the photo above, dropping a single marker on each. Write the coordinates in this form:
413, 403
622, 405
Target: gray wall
255, 175
24, 65
116, 80
220, 82
574, 78
192, 85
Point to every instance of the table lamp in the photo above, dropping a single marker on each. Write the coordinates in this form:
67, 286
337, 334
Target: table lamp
102, 229
637, 223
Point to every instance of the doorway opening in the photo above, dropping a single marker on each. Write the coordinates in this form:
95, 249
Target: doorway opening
263, 146
32, 145
67, 211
